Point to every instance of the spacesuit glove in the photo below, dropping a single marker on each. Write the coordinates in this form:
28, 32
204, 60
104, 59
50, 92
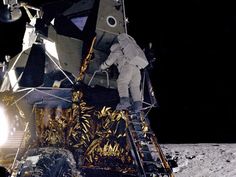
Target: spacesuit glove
101, 68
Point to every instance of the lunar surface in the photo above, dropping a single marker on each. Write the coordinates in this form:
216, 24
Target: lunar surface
202, 160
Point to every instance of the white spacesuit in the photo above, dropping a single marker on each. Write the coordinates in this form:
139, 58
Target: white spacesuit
129, 77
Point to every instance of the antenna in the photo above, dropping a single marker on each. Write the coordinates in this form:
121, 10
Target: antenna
125, 19
11, 11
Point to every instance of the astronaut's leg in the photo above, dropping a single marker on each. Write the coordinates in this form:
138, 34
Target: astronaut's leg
135, 90
123, 87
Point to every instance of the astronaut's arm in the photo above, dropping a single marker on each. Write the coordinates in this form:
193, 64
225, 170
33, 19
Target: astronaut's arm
109, 61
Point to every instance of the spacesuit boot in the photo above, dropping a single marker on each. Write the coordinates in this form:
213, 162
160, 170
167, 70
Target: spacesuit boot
124, 104
136, 110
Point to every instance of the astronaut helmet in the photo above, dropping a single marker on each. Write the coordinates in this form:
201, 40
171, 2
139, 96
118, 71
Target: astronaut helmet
122, 36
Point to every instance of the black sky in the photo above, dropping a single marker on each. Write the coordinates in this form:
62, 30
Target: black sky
194, 75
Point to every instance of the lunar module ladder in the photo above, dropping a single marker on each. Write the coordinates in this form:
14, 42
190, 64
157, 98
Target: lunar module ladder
147, 152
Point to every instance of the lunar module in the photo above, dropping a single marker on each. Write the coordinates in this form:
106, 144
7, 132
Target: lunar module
58, 116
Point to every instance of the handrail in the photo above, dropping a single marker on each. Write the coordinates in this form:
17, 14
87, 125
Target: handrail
95, 72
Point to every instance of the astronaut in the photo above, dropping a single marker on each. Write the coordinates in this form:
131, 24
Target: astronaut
129, 74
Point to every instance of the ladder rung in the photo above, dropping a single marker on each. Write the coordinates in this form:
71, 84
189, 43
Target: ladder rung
148, 151
139, 123
135, 131
152, 162
154, 173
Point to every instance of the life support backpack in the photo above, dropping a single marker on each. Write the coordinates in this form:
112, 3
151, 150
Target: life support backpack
132, 51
